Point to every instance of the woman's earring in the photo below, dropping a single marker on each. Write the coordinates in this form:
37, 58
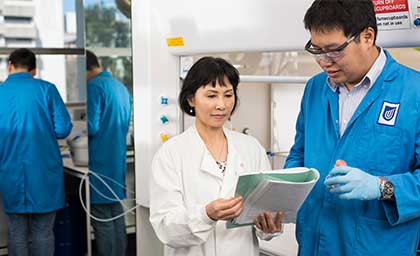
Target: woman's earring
191, 110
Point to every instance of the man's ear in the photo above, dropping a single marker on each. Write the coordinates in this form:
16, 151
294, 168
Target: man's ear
33, 72
368, 36
10, 67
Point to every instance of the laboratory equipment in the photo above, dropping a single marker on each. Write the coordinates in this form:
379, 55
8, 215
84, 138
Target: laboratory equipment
79, 150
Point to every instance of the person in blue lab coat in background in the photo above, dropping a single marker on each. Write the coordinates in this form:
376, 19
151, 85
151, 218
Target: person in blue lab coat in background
109, 112
32, 118
363, 109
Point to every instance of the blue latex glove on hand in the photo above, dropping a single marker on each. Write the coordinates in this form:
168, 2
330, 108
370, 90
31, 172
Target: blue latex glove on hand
353, 183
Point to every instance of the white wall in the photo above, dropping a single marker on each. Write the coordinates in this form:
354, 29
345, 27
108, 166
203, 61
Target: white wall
286, 97
407, 56
156, 73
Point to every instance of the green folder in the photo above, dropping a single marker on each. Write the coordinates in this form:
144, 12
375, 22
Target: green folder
256, 182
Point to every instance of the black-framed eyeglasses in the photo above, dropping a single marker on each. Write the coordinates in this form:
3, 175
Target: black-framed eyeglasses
328, 55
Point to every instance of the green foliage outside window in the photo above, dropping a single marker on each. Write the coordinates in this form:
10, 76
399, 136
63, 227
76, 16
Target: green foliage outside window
105, 29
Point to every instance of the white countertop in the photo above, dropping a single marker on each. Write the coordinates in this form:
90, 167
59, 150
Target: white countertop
68, 164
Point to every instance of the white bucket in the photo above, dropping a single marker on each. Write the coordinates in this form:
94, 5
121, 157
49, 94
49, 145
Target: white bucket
79, 150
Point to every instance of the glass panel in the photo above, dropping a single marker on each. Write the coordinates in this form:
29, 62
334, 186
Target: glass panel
25, 23
75, 78
108, 36
44, 26
62, 70
116, 32
121, 68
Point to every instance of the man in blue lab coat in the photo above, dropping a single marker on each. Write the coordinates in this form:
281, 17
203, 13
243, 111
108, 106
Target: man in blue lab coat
364, 109
32, 118
109, 112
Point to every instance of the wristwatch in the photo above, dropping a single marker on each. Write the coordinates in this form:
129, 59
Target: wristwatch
387, 189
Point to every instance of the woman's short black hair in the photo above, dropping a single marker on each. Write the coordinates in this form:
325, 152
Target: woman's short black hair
205, 71
350, 16
23, 58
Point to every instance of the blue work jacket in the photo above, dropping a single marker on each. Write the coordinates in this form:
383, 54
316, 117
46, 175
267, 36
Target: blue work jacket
32, 118
327, 225
109, 112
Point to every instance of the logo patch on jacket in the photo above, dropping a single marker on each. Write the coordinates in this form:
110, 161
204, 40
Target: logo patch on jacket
389, 113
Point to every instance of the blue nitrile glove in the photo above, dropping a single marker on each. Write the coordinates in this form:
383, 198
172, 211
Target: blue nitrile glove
353, 183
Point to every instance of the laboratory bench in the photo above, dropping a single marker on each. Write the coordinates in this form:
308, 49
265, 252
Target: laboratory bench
80, 172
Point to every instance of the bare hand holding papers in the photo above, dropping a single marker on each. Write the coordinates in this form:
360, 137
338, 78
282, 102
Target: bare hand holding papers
277, 190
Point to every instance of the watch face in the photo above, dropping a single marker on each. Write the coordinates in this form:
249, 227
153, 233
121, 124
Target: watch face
388, 189
389, 186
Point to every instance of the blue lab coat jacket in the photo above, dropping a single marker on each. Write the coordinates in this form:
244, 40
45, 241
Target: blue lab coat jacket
327, 225
109, 112
32, 118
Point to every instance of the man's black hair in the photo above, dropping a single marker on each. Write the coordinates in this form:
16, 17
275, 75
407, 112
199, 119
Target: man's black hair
91, 60
23, 58
350, 16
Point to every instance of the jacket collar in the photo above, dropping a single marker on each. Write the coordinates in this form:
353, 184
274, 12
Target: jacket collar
19, 75
208, 163
103, 74
390, 70
234, 167
388, 74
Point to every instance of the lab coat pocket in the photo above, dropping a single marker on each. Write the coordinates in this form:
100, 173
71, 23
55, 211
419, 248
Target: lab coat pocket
378, 237
381, 149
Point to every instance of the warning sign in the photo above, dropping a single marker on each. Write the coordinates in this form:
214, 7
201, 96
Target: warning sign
175, 41
392, 14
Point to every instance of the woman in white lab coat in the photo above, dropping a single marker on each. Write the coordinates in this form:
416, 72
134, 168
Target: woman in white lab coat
194, 174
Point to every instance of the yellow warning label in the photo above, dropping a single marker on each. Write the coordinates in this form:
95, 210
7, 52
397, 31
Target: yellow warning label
175, 41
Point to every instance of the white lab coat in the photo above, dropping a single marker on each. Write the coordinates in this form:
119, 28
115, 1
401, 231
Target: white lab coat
185, 178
